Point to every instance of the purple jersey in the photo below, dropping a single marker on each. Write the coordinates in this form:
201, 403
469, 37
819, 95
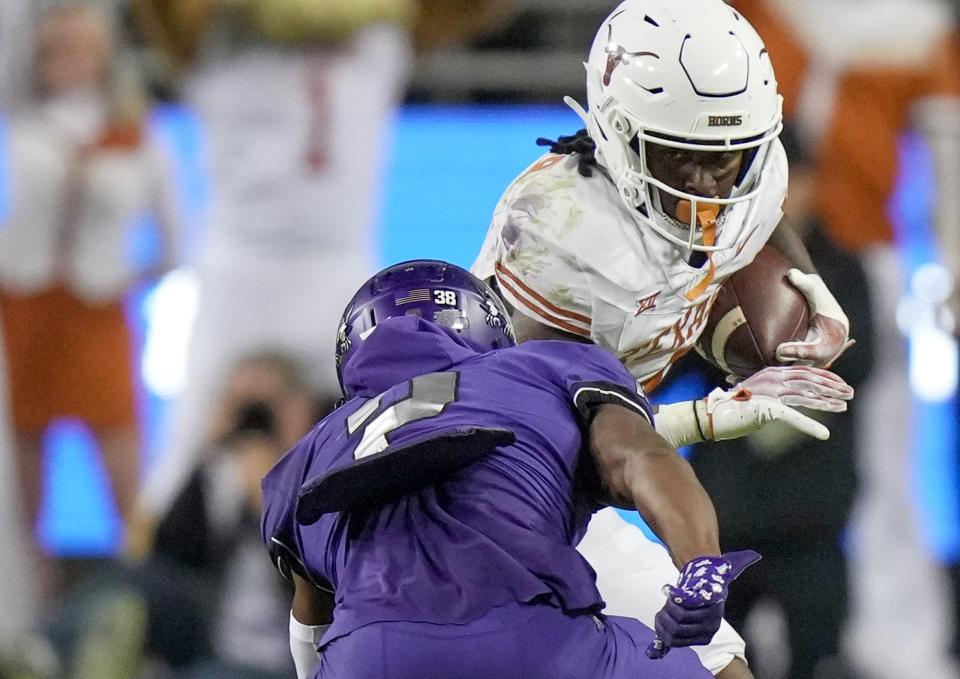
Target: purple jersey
502, 529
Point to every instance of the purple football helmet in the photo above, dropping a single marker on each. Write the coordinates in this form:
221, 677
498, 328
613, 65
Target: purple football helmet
431, 289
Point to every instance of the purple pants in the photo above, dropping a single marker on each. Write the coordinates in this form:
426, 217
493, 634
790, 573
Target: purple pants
515, 641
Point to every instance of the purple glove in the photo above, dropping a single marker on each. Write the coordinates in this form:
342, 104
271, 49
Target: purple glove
694, 607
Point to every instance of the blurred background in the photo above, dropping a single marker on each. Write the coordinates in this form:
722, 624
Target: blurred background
190, 190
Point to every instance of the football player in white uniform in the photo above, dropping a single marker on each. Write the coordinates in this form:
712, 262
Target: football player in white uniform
624, 232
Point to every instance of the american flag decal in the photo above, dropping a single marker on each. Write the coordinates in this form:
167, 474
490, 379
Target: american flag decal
418, 295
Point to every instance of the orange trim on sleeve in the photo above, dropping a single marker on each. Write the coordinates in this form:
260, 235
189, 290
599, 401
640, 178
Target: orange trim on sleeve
519, 300
548, 160
540, 298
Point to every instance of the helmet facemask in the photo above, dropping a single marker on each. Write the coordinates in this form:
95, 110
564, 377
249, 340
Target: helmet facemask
696, 221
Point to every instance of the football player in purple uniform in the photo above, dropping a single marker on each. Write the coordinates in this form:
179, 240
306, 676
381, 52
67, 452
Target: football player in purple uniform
429, 524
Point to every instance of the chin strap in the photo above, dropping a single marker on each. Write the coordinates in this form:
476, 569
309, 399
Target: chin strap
706, 219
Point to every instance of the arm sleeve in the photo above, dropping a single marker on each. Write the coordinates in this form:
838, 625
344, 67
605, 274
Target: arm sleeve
304, 640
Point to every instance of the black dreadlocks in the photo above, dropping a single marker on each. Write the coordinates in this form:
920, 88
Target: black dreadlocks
580, 144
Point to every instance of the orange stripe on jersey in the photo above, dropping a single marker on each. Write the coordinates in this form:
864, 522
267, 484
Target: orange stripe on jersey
651, 383
558, 322
540, 298
698, 289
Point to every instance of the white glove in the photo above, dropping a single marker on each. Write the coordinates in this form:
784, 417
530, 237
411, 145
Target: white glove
764, 397
801, 387
829, 333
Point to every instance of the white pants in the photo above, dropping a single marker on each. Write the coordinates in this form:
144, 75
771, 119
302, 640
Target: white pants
631, 572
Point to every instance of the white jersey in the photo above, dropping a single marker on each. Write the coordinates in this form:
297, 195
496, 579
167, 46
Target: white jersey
566, 252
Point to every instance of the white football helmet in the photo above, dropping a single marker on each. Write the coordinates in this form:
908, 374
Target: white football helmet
689, 74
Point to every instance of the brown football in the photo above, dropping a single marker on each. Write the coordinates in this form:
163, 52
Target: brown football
755, 311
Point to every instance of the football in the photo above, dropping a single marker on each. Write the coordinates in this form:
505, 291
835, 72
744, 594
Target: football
755, 311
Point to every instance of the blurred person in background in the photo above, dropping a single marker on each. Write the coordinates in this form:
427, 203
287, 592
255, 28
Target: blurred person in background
17, 587
295, 98
205, 603
16, 581
855, 77
213, 525
788, 497
84, 171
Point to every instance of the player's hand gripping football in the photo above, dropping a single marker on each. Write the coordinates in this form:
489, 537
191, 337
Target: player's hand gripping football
770, 395
694, 608
829, 333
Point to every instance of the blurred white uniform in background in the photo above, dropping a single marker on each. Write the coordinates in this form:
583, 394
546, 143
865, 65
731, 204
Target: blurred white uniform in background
295, 139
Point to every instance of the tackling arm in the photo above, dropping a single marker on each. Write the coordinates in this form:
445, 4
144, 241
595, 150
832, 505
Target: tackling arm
639, 469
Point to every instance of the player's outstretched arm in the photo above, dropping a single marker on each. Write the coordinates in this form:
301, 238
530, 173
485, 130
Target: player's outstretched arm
639, 469
770, 395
